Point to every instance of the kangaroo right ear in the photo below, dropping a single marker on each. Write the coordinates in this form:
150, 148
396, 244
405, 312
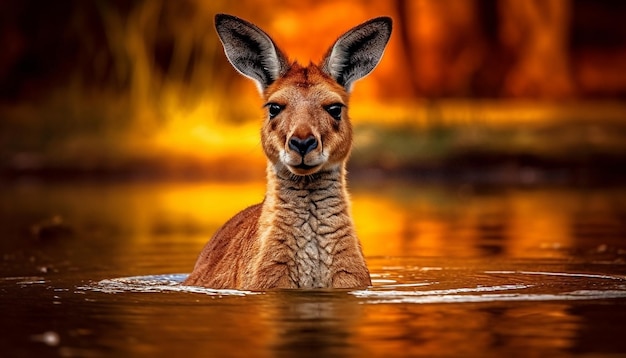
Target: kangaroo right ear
250, 50
355, 54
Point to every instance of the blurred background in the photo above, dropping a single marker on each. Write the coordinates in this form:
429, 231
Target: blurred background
497, 91
489, 142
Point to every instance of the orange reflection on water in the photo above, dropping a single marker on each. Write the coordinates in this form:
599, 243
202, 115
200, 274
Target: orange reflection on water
392, 219
398, 220
148, 228
427, 221
405, 220
433, 331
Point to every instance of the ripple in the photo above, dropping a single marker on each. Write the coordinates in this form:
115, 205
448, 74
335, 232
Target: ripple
157, 284
368, 293
402, 297
564, 274
505, 286
536, 287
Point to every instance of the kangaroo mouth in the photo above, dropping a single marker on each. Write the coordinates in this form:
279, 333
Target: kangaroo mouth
303, 166
298, 165
303, 169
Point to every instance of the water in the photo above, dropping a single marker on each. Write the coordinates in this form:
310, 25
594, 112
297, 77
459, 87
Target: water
94, 269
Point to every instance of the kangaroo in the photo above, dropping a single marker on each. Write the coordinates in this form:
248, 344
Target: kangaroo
302, 234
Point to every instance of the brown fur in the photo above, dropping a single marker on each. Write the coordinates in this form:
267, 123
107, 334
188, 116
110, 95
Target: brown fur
301, 235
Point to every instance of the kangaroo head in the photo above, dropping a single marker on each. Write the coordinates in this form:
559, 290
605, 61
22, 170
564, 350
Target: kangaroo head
306, 129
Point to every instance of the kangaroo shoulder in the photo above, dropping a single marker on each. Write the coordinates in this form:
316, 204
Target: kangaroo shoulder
243, 222
222, 256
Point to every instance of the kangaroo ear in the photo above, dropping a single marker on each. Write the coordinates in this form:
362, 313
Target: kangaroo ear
250, 50
357, 52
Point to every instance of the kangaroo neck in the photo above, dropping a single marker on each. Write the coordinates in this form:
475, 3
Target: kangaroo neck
308, 216
293, 188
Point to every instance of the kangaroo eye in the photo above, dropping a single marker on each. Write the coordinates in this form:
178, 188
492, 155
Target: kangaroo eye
274, 109
334, 110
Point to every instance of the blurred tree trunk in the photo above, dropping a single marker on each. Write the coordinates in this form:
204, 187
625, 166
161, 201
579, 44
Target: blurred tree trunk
444, 45
403, 26
536, 32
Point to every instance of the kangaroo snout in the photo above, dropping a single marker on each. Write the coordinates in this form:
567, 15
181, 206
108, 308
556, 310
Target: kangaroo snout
303, 146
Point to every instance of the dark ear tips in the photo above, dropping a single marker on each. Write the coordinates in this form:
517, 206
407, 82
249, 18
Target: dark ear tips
219, 17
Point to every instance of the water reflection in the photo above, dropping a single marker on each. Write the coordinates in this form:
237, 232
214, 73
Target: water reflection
403, 319
506, 223
316, 324
431, 330
506, 270
144, 221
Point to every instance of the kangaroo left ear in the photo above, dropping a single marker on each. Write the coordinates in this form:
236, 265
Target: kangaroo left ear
357, 52
250, 50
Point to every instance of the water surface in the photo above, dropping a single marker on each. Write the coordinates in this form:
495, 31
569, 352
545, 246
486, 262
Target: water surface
93, 269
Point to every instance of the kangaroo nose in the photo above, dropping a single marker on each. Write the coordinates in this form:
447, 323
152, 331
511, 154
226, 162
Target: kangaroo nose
303, 146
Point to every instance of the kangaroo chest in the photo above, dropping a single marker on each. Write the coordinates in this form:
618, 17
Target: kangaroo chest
310, 224
311, 252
